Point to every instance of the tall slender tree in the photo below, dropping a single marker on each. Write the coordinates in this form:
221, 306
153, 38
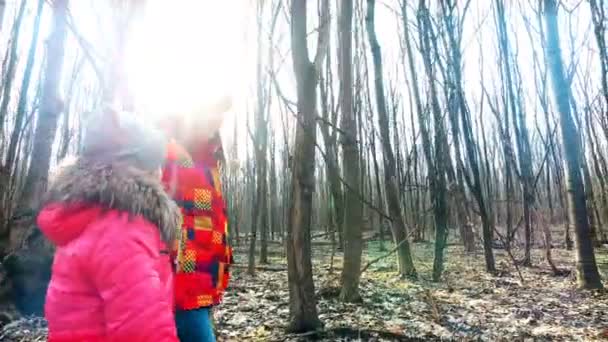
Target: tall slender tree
399, 229
436, 159
514, 107
9, 66
302, 302
353, 241
25, 87
586, 267
50, 108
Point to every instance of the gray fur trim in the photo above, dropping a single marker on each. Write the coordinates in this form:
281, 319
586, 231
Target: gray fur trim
116, 187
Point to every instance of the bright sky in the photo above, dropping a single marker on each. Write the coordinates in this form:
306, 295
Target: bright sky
185, 53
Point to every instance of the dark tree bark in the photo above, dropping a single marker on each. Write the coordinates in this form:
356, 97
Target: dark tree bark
587, 273
50, 109
399, 229
67, 134
250, 187
521, 131
353, 240
29, 266
598, 17
274, 195
379, 193
302, 302
475, 182
437, 161
332, 168
260, 146
426, 140
456, 101
600, 173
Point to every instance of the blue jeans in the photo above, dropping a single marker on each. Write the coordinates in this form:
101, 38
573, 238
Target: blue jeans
194, 325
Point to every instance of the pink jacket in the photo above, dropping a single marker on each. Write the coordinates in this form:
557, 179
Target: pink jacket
111, 277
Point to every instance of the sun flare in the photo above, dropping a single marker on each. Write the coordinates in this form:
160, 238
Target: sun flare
182, 57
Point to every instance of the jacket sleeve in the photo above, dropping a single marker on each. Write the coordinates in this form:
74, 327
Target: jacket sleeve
125, 269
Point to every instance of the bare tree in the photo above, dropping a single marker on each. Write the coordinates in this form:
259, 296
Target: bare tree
25, 87
330, 138
259, 142
456, 102
513, 107
400, 236
302, 302
436, 159
419, 109
587, 273
598, 17
353, 209
9, 66
50, 109
474, 178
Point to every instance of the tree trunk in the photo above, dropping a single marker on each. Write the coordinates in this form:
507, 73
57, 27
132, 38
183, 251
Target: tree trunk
25, 86
251, 189
456, 177
587, 273
273, 188
379, 194
235, 201
476, 186
8, 75
426, 143
50, 109
594, 221
548, 244
406, 264
600, 173
598, 17
263, 221
353, 240
31, 263
332, 168
521, 132
302, 301
436, 162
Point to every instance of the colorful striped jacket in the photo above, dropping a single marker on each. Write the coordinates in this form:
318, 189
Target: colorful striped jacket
201, 253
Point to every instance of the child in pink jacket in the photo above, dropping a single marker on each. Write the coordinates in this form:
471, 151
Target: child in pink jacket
112, 223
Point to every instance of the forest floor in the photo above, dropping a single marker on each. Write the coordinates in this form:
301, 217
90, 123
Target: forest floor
468, 305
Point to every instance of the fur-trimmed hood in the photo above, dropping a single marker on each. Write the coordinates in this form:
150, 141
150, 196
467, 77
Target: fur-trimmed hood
80, 186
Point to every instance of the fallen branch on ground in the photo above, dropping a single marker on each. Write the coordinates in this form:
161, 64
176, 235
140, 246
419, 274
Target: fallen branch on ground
260, 268
383, 256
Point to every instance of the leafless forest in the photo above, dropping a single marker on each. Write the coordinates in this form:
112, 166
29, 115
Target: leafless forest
395, 170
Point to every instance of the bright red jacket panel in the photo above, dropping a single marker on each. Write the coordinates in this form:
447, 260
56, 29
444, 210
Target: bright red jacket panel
111, 278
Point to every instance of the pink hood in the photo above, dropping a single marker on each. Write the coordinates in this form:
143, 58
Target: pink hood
62, 224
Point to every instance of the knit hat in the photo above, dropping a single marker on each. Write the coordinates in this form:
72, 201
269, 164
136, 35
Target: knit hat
111, 136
